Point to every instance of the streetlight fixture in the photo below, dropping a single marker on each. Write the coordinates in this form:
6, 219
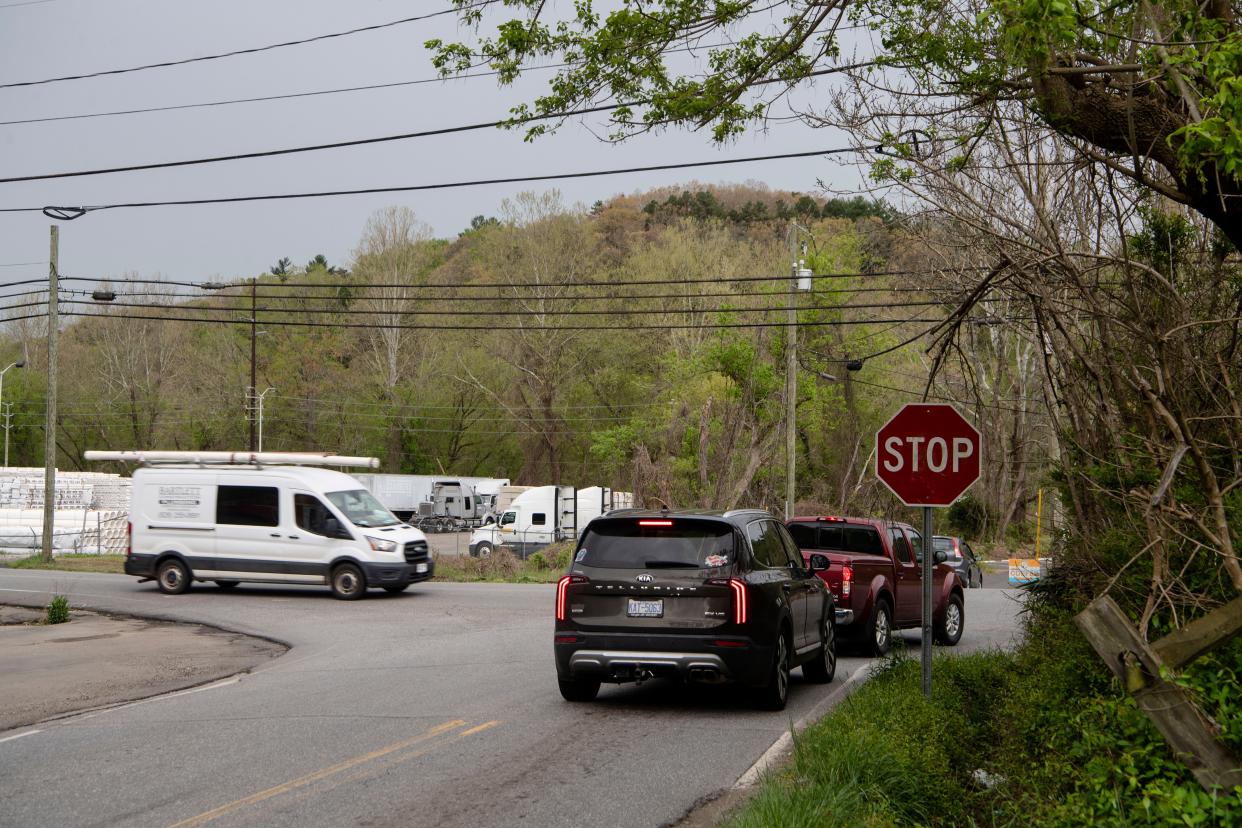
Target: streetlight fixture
21, 363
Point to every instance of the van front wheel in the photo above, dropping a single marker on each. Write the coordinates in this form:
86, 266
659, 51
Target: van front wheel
173, 577
348, 583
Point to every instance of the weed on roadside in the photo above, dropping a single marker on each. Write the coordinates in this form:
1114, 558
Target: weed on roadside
58, 610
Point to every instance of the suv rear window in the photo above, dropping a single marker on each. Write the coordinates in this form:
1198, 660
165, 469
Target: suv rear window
682, 544
862, 540
944, 545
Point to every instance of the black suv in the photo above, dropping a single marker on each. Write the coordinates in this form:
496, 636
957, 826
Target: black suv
700, 596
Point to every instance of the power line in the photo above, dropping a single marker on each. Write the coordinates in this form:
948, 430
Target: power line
69, 213
303, 297
294, 95
490, 327
236, 52
476, 312
712, 280
356, 142
21, 264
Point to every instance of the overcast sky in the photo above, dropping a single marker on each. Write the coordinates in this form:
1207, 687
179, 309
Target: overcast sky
60, 37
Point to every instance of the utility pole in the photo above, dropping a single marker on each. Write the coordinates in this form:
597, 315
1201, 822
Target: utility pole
8, 423
799, 279
49, 428
250, 392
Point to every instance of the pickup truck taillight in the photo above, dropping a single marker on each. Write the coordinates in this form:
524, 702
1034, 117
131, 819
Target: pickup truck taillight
847, 580
562, 594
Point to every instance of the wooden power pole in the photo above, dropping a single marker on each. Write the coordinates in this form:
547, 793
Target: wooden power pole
49, 428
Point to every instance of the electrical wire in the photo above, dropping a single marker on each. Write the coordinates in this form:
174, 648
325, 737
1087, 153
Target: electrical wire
490, 327
335, 297
507, 285
312, 93
356, 142
70, 213
476, 312
250, 51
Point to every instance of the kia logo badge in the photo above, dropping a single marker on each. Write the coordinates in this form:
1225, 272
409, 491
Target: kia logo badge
645, 578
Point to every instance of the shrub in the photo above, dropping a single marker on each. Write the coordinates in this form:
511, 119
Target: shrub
58, 610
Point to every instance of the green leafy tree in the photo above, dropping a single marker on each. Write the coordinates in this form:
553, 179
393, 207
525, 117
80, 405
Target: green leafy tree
1145, 91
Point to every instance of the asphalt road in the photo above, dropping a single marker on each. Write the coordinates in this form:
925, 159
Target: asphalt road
435, 707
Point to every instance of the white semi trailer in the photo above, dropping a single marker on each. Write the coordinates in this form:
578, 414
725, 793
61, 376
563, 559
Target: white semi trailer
405, 494
545, 514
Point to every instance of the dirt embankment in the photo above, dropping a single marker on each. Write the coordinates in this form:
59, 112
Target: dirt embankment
94, 660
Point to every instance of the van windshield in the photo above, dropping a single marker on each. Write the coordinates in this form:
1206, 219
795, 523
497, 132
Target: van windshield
362, 509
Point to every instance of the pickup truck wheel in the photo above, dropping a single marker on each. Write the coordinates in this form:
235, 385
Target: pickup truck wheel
348, 583
879, 636
578, 690
823, 667
173, 577
483, 550
948, 628
775, 693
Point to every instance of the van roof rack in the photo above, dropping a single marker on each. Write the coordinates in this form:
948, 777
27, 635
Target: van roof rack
233, 458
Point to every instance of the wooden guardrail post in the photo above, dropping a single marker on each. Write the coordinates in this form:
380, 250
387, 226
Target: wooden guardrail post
1138, 666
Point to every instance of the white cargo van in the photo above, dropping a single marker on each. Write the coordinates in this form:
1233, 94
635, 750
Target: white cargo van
232, 517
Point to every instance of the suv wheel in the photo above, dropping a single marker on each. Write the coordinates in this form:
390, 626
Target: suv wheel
948, 628
348, 583
823, 667
775, 693
578, 690
173, 577
880, 628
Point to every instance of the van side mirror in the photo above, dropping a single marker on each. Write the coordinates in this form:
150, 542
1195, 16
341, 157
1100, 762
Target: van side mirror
819, 563
333, 529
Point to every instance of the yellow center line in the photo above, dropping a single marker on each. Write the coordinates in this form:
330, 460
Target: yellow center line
311, 778
387, 764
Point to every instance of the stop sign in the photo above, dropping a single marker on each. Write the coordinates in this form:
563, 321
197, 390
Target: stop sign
927, 454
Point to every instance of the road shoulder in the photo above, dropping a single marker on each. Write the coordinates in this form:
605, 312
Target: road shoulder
95, 660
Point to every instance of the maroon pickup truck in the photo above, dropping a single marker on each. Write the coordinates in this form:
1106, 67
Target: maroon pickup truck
877, 580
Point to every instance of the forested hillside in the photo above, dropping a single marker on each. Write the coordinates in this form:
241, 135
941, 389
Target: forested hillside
640, 343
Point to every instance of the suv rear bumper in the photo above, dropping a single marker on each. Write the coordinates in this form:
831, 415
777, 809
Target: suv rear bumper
624, 658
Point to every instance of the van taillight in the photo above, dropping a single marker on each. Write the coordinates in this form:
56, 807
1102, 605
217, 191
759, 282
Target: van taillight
129, 538
562, 594
847, 580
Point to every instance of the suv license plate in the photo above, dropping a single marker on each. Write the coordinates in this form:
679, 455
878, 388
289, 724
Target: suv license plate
646, 609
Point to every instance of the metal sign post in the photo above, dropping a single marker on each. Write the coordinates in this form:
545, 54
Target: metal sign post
928, 569
927, 454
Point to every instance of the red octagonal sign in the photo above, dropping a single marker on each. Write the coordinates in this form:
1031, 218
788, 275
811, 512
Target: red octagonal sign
927, 454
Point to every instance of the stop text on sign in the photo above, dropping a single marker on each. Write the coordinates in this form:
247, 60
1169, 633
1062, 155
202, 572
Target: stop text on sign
933, 454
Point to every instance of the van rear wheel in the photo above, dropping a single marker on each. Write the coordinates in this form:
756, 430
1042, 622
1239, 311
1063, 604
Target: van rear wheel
173, 577
348, 583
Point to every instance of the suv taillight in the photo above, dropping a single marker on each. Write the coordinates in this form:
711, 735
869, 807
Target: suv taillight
739, 600
738, 586
129, 538
847, 580
562, 594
